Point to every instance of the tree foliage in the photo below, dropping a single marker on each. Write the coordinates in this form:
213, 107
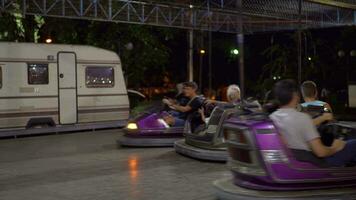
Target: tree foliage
147, 58
141, 48
320, 60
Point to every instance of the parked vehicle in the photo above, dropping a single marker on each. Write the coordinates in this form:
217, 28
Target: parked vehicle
59, 88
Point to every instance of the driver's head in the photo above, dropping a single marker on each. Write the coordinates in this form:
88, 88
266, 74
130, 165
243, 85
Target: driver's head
309, 89
190, 89
286, 93
233, 93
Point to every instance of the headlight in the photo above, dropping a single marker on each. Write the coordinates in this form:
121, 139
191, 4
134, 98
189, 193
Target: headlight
132, 126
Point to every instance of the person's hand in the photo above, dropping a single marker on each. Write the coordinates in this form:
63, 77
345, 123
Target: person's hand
338, 145
173, 101
172, 106
167, 101
169, 119
327, 117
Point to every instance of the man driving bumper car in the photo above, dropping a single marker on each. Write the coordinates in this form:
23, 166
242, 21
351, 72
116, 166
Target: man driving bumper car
195, 102
150, 129
299, 131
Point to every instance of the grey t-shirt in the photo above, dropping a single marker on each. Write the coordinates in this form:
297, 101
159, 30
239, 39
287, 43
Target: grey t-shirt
296, 128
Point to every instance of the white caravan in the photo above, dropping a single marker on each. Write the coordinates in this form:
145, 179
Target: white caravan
59, 88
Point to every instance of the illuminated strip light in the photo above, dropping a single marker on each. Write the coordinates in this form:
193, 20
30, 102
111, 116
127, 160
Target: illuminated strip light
274, 156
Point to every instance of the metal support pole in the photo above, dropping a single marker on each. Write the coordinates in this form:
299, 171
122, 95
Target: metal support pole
190, 58
201, 73
300, 42
210, 63
201, 63
210, 75
241, 43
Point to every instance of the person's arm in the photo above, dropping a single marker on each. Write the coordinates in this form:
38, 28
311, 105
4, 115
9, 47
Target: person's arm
323, 118
179, 108
213, 101
312, 137
194, 105
320, 150
202, 116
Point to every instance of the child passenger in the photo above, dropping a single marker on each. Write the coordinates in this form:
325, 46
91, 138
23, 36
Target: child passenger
310, 96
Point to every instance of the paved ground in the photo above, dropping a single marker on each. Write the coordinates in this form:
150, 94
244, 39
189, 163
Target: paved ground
85, 166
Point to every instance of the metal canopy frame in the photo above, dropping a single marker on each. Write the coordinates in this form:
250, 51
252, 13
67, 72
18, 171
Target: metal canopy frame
214, 15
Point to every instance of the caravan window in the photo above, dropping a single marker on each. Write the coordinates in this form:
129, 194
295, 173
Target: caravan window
37, 74
99, 77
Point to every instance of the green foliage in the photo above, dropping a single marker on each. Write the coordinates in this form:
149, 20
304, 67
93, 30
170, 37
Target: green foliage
282, 64
324, 64
283, 59
9, 30
148, 57
14, 27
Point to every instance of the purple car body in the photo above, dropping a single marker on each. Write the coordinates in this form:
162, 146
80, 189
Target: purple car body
151, 125
150, 130
260, 160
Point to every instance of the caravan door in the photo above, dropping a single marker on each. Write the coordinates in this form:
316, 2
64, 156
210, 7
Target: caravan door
67, 88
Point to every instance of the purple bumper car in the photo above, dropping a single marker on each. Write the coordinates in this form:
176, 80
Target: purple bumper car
150, 130
263, 167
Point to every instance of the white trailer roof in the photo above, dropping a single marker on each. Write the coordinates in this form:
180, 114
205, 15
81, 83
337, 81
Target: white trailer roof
13, 51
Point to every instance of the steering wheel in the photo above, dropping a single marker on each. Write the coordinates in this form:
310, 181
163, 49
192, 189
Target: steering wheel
315, 111
328, 130
332, 131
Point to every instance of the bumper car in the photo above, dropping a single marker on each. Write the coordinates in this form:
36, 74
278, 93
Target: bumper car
149, 130
263, 167
207, 142
334, 129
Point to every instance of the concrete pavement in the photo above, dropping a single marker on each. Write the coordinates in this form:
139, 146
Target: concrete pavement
89, 165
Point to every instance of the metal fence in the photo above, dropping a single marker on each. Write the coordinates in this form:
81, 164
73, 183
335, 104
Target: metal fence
215, 15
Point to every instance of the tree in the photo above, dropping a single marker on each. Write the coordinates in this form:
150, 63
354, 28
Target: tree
148, 58
9, 30
15, 27
145, 63
282, 63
